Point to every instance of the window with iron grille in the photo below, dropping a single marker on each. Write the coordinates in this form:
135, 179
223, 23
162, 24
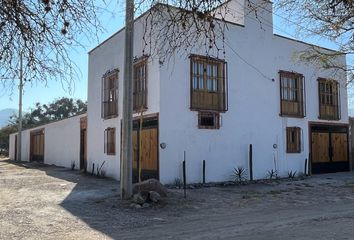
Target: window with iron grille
208, 120
329, 104
291, 94
110, 141
208, 84
293, 140
139, 86
109, 107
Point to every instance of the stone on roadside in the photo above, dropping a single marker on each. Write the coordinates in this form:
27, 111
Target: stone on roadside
139, 198
150, 185
154, 196
146, 205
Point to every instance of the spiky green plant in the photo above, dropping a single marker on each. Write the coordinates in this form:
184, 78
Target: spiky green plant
272, 174
292, 174
239, 174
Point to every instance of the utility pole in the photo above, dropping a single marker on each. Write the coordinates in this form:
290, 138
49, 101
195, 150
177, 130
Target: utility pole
127, 128
19, 139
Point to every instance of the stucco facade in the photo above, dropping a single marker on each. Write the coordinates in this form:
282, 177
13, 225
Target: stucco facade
253, 105
254, 57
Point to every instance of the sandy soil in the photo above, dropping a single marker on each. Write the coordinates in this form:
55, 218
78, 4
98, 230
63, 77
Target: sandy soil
46, 202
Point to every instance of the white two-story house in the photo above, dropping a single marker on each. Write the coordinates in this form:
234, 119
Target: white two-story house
209, 107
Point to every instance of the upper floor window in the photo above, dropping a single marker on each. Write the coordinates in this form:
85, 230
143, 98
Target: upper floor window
110, 141
291, 94
109, 107
208, 84
329, 103
139, 85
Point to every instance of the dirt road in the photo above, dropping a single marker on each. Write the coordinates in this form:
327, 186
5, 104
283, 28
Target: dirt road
46, 202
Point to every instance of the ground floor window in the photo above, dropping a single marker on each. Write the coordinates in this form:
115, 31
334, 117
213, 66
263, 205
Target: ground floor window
293, 139
110, 143
208, 120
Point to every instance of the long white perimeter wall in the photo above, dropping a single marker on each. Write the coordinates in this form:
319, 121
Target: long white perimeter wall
61, 142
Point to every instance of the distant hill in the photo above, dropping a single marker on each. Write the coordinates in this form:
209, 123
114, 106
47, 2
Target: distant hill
5, 115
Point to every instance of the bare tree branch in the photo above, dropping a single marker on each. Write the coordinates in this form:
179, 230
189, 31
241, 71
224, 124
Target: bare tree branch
44, 31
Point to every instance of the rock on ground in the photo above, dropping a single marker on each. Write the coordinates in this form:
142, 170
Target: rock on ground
150, 185
154, 196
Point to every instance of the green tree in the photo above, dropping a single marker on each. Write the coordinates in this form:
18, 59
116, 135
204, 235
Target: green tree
4, 138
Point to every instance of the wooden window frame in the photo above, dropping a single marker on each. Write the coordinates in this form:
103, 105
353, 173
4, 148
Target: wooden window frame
207, 90
109, 107
214, 115
292, 98
140, 89
324, 99
110, 141
293, 140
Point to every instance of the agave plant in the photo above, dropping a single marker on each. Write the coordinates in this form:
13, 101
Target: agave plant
292, 174
272, 174
239, 174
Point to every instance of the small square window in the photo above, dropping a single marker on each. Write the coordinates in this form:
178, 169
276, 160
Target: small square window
293, 140
208, 120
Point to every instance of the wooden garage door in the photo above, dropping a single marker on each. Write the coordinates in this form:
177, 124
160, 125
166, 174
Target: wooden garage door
37, 146
339, 143
149, 150
329, 149
320, 146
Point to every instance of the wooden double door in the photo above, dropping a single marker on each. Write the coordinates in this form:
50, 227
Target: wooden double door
37, 145
329, 149
145, 145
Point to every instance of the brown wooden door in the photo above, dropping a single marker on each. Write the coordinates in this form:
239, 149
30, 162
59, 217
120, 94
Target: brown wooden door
329, 149
320, 147
37, 146
149, 150
339, 144
83, 149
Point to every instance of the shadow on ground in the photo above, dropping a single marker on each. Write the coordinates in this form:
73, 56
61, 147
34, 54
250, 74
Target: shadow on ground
93, 200
287, 209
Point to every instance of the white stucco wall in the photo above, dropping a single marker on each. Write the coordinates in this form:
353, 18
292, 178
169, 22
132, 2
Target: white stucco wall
231, 11
254, 107
12, 146
254, 56
61, 142
109, 56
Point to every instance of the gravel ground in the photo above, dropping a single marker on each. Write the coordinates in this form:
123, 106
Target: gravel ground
47, 202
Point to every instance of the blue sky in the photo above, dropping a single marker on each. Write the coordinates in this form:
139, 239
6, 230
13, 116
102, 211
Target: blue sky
112, 21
